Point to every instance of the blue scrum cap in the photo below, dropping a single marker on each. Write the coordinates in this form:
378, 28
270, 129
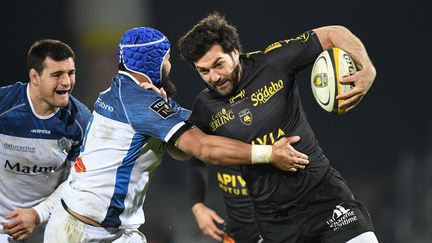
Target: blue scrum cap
142, 51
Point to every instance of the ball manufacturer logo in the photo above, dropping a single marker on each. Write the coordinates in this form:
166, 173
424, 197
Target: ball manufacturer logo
350, 64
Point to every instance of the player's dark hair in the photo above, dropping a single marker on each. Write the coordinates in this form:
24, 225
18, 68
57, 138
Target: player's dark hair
41, 49
214, 29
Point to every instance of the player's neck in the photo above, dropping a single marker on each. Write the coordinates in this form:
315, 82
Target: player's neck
141, 78
39, 105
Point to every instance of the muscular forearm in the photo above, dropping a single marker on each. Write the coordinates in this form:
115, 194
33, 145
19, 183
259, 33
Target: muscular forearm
224, 151
214, 149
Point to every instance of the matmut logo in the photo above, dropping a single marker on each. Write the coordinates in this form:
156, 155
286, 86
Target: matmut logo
18, 168
265, 93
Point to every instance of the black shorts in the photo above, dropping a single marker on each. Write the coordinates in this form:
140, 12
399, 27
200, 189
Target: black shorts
237, 232
329, 213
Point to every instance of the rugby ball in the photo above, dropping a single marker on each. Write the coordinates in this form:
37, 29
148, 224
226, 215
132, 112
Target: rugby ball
331, 66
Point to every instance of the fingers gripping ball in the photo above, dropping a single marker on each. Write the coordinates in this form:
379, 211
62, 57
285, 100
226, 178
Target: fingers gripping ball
142, 51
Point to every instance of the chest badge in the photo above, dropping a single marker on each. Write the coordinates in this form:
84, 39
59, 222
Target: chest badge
64, 144
245, 117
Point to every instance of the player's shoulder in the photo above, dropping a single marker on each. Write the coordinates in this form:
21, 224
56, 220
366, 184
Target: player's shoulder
16, 90
78, 110
205, 95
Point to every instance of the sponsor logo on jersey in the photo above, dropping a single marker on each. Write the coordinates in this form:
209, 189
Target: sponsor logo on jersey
19, 148
249, 54
303, 38
232, 184
341, 217
101, 104
238, 98
272, 47
23, 169
41, 131
162, 108
79, 165
269, 138
245, 117
264, 94
221, 118
64, 144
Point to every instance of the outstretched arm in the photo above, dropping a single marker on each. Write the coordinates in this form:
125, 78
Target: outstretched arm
225, 151
341, 37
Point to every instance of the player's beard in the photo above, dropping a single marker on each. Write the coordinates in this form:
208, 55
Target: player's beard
168, 85
234, 78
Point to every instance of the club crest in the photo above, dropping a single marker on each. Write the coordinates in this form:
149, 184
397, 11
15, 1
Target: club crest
245, 117
64, 144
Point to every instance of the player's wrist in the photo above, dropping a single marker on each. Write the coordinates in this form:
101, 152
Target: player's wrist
261, 154
197, 207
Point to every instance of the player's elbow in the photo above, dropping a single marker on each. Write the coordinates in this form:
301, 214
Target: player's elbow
331, 36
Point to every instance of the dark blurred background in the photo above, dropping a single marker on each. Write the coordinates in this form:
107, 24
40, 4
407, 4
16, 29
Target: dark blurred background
383, 148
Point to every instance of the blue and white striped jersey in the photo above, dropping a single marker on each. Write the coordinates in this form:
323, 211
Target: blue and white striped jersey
33, 148
123, 144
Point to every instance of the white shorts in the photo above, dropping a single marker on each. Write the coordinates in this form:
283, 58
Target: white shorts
65, 228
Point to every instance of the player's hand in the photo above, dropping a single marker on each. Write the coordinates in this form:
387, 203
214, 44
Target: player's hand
150, 86
285, 157
206, 219
362, 80
23, 223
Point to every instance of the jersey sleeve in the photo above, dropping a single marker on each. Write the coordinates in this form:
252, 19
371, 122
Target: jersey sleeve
6, 94
183, 112
197, 180
148, 113
294, 54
